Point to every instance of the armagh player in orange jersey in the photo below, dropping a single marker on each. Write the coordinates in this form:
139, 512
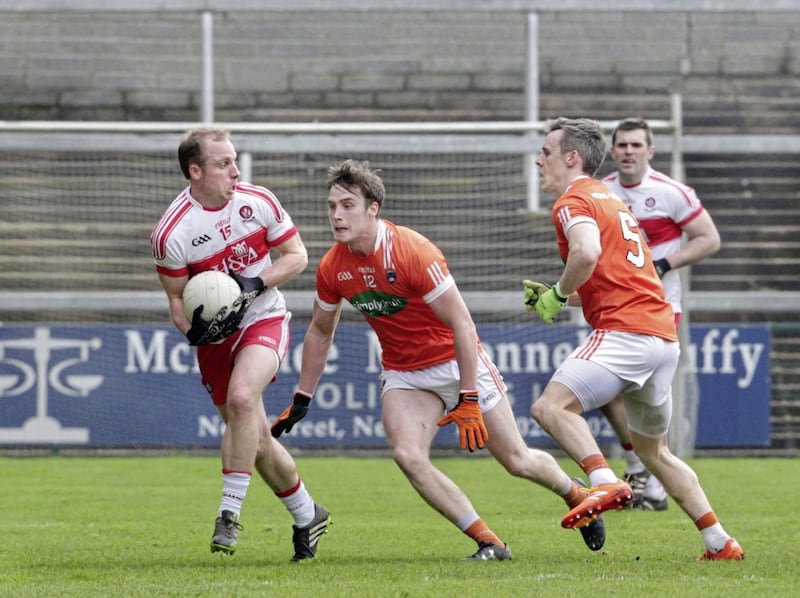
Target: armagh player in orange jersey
434, 369
633, 348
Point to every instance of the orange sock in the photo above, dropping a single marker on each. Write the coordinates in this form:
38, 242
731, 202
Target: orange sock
706, 520
574, 497
592, 462
481, 533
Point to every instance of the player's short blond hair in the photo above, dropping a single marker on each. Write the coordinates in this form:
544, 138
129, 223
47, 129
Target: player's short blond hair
190, 150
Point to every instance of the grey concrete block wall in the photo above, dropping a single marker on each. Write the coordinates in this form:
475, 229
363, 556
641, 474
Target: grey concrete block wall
285, 66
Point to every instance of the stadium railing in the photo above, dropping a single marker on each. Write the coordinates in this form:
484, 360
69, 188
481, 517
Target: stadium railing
423, 138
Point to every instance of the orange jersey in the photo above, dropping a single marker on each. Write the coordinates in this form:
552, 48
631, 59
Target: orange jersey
392, 288
624, 292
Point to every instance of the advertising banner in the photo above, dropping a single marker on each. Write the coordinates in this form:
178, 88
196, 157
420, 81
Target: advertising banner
139, 386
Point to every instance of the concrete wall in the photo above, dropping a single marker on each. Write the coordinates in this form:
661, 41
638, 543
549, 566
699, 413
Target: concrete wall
331, 66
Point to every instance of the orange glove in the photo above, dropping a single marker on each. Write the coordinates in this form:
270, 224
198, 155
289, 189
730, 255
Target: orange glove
472, 432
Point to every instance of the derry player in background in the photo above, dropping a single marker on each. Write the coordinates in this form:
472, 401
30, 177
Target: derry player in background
666, 210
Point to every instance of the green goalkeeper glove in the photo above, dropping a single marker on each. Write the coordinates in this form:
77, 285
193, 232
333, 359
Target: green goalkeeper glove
467, 416
533, 290
550, 303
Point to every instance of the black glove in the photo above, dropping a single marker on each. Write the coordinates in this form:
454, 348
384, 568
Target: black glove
292, 414
662, 267
221, 326
251, 288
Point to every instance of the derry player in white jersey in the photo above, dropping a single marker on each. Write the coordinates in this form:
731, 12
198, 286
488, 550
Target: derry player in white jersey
666, 210
219, 223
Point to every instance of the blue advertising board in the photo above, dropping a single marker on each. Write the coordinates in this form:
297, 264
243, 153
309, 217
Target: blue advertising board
139, 385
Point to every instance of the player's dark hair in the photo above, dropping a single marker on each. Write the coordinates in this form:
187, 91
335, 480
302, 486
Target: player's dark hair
633, 123
354, 174
583, 135
190, 150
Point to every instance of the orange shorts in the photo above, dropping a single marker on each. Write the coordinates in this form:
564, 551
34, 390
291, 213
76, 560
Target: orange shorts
216, 360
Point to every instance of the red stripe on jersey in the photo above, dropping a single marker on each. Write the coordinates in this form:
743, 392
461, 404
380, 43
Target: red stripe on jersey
217, 261
263, 194
165, 226
660, 230
283, 238
233, 257
691, 217
172, 273
236, 255
592, 344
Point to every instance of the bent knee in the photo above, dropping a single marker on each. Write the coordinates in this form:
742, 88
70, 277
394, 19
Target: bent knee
651, 449
541, 410
409, 460
515, 464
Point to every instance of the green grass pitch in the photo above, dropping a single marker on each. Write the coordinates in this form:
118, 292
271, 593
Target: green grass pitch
140, 526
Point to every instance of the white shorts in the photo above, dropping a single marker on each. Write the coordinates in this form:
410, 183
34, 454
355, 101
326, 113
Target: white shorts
641, 367
445, 381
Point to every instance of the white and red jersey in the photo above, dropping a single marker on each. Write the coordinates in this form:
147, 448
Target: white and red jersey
663, 206
189, 239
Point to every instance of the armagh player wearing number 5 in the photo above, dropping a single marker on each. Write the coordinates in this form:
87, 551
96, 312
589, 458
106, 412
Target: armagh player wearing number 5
633, 347
434, 370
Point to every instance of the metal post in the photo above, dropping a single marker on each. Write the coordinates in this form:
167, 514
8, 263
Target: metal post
685, 392
532, 104
246, 167
676, 118
207, 94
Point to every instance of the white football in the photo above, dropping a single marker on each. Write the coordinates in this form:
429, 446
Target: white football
213, 290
